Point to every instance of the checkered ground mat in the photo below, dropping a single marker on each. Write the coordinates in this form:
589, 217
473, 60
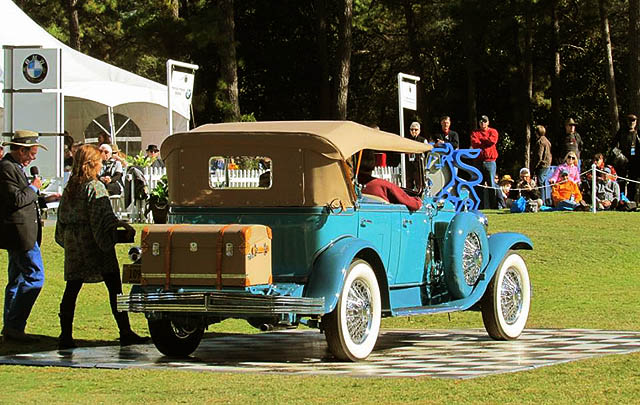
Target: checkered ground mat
399, 353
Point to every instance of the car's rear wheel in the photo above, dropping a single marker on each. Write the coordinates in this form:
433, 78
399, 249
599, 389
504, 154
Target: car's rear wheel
175, 339
352, 328
506, 303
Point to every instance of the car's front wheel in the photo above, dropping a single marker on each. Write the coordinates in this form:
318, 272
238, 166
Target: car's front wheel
352, 328
175, 339
506, 303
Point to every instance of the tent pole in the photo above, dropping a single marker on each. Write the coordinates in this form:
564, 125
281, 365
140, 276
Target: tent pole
112, 132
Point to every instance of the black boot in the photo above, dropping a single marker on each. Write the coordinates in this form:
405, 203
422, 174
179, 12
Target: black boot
127, 336
65, 341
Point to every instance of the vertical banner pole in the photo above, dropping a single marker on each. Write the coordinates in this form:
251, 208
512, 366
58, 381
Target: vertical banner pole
593, 188
408, 101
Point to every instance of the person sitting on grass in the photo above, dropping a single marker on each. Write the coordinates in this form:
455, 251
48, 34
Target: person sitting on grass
566, 194
527, 187
607, 194
504, 193
383, 188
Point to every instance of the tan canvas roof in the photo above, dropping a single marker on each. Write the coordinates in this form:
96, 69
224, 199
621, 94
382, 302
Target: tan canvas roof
308, 161
346, 136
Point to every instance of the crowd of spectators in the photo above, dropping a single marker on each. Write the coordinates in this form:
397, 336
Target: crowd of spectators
543, 186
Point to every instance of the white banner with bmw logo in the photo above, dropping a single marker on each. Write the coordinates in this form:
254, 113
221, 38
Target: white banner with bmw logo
182, 87
33, 99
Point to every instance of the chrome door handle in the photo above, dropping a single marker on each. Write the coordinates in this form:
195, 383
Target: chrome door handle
364, 222
406, 222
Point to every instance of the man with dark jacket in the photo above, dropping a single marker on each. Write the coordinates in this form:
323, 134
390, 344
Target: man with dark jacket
21, 233
572, 141
628, 143
542, 161
447, 135
413, 160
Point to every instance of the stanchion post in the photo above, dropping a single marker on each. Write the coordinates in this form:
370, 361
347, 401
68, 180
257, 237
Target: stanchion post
593, 188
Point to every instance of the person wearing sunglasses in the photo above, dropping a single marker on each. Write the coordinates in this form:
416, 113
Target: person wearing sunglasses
566, 195
413, 160
112, 171
570, 165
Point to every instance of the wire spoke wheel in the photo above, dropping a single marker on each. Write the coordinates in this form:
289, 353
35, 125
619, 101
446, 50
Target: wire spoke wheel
352, 328
505, 304
511, 296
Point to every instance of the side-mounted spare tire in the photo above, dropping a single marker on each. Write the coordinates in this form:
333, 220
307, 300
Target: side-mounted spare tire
352, 328
466, 253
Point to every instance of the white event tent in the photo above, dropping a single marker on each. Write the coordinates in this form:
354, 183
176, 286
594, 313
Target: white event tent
93, 88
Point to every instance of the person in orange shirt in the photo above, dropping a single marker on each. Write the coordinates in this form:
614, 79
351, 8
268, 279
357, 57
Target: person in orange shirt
566, 194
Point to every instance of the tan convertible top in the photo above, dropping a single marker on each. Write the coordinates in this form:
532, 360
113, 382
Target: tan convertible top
307, 156
346, 136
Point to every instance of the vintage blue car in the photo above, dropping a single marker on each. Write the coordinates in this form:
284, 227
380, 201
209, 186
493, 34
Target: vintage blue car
338, 260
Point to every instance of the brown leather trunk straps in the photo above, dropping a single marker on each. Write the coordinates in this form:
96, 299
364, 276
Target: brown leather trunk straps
167, 257
220, 254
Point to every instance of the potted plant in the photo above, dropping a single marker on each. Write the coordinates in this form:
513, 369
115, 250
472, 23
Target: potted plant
140, 160
159, 201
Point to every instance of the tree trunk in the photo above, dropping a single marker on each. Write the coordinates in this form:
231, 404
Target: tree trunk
634, 50
174, 7
423, 107
74, 23
324, 108
229, 67
344, 37
611, 80
528, 82
556, 90
469, 51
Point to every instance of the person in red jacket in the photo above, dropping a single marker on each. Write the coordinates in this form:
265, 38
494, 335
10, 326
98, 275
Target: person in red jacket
486, 139
383, 188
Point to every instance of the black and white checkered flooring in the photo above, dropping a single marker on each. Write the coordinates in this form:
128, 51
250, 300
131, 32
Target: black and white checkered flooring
399, 353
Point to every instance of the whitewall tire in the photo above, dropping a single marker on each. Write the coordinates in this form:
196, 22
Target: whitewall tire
506, 303
352, 328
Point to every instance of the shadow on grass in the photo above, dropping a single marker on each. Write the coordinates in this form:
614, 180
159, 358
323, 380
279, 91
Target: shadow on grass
47, 343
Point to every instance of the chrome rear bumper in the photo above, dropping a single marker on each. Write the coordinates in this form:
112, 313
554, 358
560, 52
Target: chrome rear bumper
219, 302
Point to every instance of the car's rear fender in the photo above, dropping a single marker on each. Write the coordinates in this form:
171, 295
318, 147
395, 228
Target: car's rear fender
331, 266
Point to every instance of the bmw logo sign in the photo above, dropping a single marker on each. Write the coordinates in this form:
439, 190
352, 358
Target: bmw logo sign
34, 68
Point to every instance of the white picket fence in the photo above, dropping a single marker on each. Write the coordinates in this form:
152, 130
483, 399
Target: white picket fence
388, 173
237, 178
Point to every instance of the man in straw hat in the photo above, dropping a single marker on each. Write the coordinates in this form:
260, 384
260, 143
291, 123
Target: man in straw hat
21, 233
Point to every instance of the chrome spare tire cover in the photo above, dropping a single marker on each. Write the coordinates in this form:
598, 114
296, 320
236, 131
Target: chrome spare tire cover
466, 253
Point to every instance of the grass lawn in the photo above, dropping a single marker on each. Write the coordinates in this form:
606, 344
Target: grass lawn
585, 274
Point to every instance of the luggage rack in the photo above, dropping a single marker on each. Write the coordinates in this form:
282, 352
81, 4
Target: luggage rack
220, 302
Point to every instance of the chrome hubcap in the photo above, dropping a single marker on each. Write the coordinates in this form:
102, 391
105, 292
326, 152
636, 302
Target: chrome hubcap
511, 296
359, 312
